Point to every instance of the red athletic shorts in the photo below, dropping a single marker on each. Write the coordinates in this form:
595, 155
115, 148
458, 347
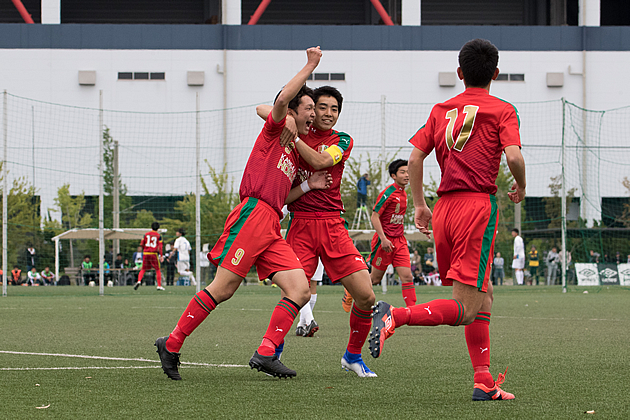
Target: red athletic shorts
399, 257
252, 237
465, 226
150, 260
314, 235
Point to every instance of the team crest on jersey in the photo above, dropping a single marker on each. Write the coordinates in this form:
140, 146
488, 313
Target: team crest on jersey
289, 148
397, 208
321, 148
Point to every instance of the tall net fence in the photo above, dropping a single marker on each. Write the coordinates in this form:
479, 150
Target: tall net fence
53, 177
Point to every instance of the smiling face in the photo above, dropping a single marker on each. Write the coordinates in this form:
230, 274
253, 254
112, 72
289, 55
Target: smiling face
304, 115
401, 177
326, 113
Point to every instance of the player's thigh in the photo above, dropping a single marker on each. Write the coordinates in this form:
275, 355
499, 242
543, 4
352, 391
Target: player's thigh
376, 275
224, 284
294, 285
359, 286
302, 237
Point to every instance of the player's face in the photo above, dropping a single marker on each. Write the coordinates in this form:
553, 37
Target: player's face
305, 115
402, 176
326, 113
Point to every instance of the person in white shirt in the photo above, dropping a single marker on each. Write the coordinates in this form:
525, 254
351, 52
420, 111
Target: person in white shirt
518, 263
183, 248
34, 279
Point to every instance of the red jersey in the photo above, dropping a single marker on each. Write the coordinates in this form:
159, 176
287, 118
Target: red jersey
271, 169
330, 198
391, 206
151, 242
469, 133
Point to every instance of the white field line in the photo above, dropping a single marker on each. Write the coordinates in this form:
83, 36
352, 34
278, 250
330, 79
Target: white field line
81, 356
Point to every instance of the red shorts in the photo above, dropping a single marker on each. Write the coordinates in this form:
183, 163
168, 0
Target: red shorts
464, 227
150, 260
399, 257
252, 237
314, 235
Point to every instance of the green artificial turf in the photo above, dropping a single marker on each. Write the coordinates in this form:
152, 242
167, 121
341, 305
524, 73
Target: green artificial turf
567, 354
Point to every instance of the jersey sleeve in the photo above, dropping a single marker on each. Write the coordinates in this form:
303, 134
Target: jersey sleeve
424, 139
509, 123
273, 129
383, 200
343, 147
143, 241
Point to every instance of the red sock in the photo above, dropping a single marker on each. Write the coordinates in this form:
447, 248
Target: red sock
478, 342
360, 324
140, 275
158, 276
409, 294
435, 312
281, 321
197, 310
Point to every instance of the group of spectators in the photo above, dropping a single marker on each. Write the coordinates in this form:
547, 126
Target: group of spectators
595, 257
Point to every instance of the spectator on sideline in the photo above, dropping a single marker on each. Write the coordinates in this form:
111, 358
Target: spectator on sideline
618, 257
498, 264
30, 256
533, 264
593, 257
429, 261
362, 185
48, 276
518, 261
16, 275
86, 265
169, 258
416, 262
34, 278
119, 263
553, 258
137, 259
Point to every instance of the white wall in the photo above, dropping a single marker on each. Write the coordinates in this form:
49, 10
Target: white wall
256, 76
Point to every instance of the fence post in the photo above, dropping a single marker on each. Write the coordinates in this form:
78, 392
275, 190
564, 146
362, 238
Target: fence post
197, 200
101, 201
563, 261
5, 120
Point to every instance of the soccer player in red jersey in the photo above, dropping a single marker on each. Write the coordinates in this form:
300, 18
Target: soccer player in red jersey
469, 133
316, 229
151, 254
389, 245
252, 234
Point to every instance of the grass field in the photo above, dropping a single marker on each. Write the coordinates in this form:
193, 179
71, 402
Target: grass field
567, 354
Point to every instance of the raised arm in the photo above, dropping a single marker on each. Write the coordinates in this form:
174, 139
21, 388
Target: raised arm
516, 163
318, 181
416, 173
279, 110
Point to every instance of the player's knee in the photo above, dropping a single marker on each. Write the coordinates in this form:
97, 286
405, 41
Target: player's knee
303, 297
365, 302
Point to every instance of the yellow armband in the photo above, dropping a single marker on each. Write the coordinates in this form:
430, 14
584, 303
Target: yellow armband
336, 153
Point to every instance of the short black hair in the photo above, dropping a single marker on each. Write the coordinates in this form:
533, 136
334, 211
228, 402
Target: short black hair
478, 60
328, 91
182, 231
155, 225
515, 230
395, 166
295, 102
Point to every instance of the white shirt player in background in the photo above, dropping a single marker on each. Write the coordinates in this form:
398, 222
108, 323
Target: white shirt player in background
183, 248
518, 263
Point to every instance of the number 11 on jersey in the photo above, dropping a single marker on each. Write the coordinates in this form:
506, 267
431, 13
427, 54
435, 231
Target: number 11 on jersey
467, 127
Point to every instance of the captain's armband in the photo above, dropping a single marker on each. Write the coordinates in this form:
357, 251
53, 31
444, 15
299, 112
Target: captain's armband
336, 153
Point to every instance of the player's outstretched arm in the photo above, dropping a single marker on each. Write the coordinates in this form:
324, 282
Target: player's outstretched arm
317, 160
318, 181
416, 175
291, 89
516, 163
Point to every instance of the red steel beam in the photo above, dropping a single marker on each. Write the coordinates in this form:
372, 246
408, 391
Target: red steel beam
23, 12
381, 11
259, 11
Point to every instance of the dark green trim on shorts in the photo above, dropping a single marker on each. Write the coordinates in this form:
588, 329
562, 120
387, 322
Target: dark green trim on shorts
286, 234
486, 244
246, 210
373, 254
